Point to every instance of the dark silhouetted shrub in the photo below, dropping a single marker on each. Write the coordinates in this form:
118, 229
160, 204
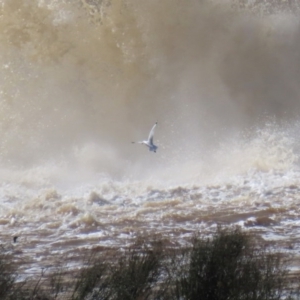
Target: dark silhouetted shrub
137, 273
229, 267
92, 279
7, 276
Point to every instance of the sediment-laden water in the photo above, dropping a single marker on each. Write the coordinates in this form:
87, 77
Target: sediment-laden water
81, 80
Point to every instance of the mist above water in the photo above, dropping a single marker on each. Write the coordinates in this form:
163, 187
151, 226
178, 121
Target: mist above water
80, 80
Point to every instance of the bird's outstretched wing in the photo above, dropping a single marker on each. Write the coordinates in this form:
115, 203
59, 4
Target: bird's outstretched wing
150, 138
141, 142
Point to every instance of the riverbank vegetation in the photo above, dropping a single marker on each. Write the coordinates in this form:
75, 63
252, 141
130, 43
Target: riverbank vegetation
230, 265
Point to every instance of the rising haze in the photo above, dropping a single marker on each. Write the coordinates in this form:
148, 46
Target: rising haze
82, 79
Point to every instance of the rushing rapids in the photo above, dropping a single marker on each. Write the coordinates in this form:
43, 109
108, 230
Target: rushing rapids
80, 80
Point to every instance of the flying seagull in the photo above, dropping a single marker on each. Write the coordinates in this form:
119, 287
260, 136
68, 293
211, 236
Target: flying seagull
149, 142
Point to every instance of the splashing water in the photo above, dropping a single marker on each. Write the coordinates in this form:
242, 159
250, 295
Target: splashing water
82, 79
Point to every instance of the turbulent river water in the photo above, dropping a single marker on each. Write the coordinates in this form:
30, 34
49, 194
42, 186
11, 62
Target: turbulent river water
81, 79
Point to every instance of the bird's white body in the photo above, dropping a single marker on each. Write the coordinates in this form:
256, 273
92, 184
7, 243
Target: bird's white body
149, 143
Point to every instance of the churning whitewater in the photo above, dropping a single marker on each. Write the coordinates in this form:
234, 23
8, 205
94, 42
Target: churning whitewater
81, 79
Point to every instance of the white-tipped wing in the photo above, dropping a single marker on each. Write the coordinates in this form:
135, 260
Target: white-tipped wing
140, 142
150, 138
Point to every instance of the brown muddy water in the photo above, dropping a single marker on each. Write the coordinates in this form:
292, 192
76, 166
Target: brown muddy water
81, 80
